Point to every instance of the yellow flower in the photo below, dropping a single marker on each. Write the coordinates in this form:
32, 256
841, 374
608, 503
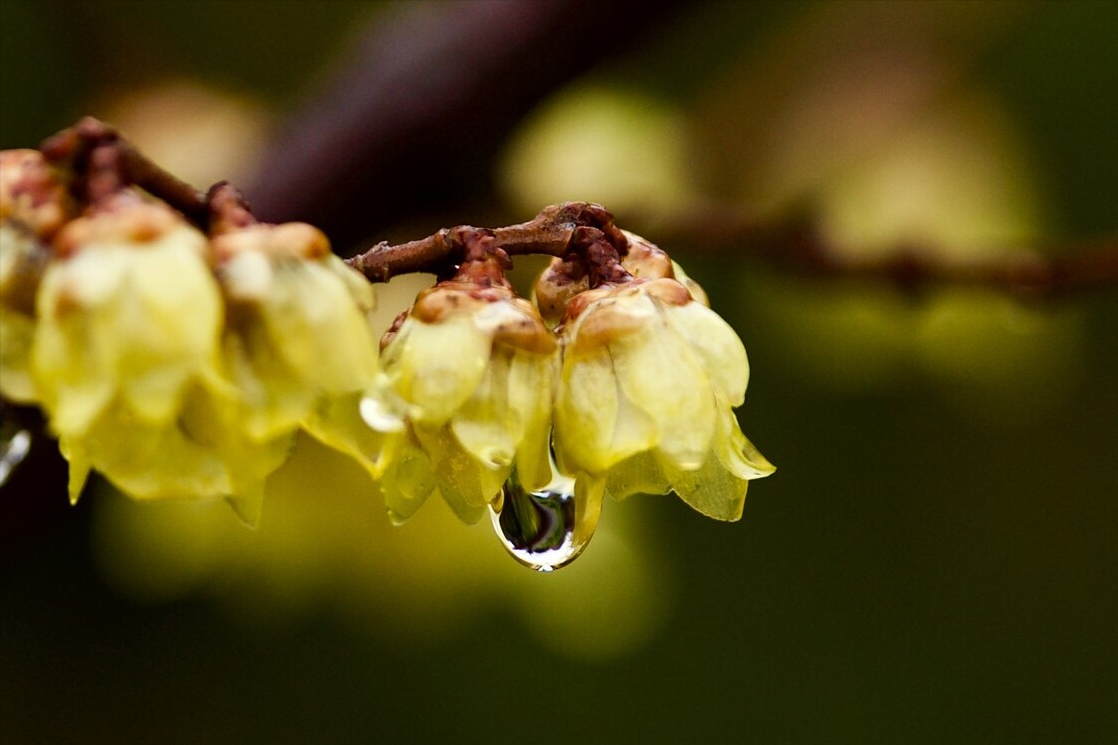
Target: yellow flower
475, 366
33, 206
124, 359
298, 345
201, 454
648, 383
128, 311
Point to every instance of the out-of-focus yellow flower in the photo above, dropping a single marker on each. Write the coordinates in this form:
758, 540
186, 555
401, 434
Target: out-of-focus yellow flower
648, 383
298, 343
125, 354
200, 454
33, 206
476, 367
129, 313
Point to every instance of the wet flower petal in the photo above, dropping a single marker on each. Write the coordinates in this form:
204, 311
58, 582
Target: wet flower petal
649, 379
596, 424
437, 366
659, 360
721, 351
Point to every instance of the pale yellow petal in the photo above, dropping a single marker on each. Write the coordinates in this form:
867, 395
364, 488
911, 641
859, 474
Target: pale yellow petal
487, 426
737, 453
79, 467
407, 483
436, 367
167, 319
712, 489
660, 373
275, 399
638, 474
698, 294
531, 392
464, 510
313, 322
17, 331
596, 426
464, 480
718, 346
338, 422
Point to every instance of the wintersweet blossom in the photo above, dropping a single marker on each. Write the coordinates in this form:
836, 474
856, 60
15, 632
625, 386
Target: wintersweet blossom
179, 347
648, 384
475, 366
125, 358
129, 313
297, 344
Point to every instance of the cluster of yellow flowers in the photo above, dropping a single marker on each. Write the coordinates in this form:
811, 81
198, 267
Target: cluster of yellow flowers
179, 365
183, 364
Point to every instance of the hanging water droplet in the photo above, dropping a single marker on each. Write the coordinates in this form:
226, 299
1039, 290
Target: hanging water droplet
379, 416
548, 528
15, 444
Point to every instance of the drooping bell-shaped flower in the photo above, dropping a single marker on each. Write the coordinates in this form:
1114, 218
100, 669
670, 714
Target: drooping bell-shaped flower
125, 359
648, 384
475, 366
201, 454
129, 313
297, 344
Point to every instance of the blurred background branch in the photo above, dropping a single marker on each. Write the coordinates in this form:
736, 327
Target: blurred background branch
800, 247
408, 123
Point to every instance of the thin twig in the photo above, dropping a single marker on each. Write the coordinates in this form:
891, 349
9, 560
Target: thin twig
556, 231
792, 246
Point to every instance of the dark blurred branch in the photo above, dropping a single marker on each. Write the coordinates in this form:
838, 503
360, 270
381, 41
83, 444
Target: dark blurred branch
410, 124
798, 246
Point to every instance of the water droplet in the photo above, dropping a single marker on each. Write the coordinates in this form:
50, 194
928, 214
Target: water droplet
15, 444
379, 416
548, 528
